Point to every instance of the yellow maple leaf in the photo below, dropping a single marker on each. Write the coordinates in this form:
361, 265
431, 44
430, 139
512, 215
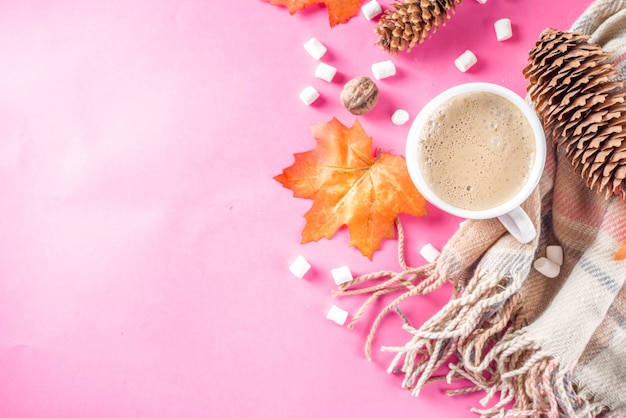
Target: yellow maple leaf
339, 11
350, 186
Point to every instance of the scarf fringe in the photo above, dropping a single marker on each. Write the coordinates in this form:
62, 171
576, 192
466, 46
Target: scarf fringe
413, 280
409, 280
470, 323
494, 355
532, 383
499, 358
478, 336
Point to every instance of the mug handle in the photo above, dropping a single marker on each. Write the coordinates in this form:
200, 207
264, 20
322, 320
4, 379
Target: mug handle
519, 225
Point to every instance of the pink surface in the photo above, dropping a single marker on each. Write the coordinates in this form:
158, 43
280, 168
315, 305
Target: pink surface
144, 246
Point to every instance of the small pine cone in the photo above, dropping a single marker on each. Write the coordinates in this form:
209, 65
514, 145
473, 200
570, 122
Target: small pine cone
580, 99
410, 22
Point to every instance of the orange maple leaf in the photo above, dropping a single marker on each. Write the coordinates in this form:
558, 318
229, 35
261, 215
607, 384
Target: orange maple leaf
339, 11
621, 253
349, 186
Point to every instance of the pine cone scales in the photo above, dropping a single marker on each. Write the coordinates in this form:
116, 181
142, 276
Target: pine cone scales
577, 93
410, 22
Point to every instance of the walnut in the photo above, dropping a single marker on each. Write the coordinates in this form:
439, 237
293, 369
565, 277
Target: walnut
359, 95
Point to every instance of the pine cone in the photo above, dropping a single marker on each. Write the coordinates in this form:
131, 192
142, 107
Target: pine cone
410, 22
577, 93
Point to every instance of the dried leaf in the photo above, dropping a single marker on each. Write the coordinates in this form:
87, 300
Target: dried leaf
350, 186
339, 11
621, 253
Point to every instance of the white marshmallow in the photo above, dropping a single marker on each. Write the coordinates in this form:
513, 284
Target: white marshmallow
503, 29
299, 267
337, 315
429, 252
482, 1
371, 9
341, 275
554, 253
383, 69
546, 267
325, 72
400, 117
309, 95
315, 48
465, 61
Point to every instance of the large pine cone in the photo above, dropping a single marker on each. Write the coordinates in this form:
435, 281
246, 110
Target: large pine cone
410, 22
577, 93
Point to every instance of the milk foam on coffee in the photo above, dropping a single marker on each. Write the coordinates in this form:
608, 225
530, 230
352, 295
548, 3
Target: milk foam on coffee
476, 150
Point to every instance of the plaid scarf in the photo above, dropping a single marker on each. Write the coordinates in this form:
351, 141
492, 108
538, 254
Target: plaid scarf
536, 346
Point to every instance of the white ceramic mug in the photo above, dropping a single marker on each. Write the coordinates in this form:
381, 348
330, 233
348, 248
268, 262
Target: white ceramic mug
512, 216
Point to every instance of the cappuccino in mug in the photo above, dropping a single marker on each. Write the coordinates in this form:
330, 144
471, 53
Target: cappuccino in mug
476, 150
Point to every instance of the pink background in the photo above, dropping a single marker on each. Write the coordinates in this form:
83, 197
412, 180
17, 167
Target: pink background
144, 245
